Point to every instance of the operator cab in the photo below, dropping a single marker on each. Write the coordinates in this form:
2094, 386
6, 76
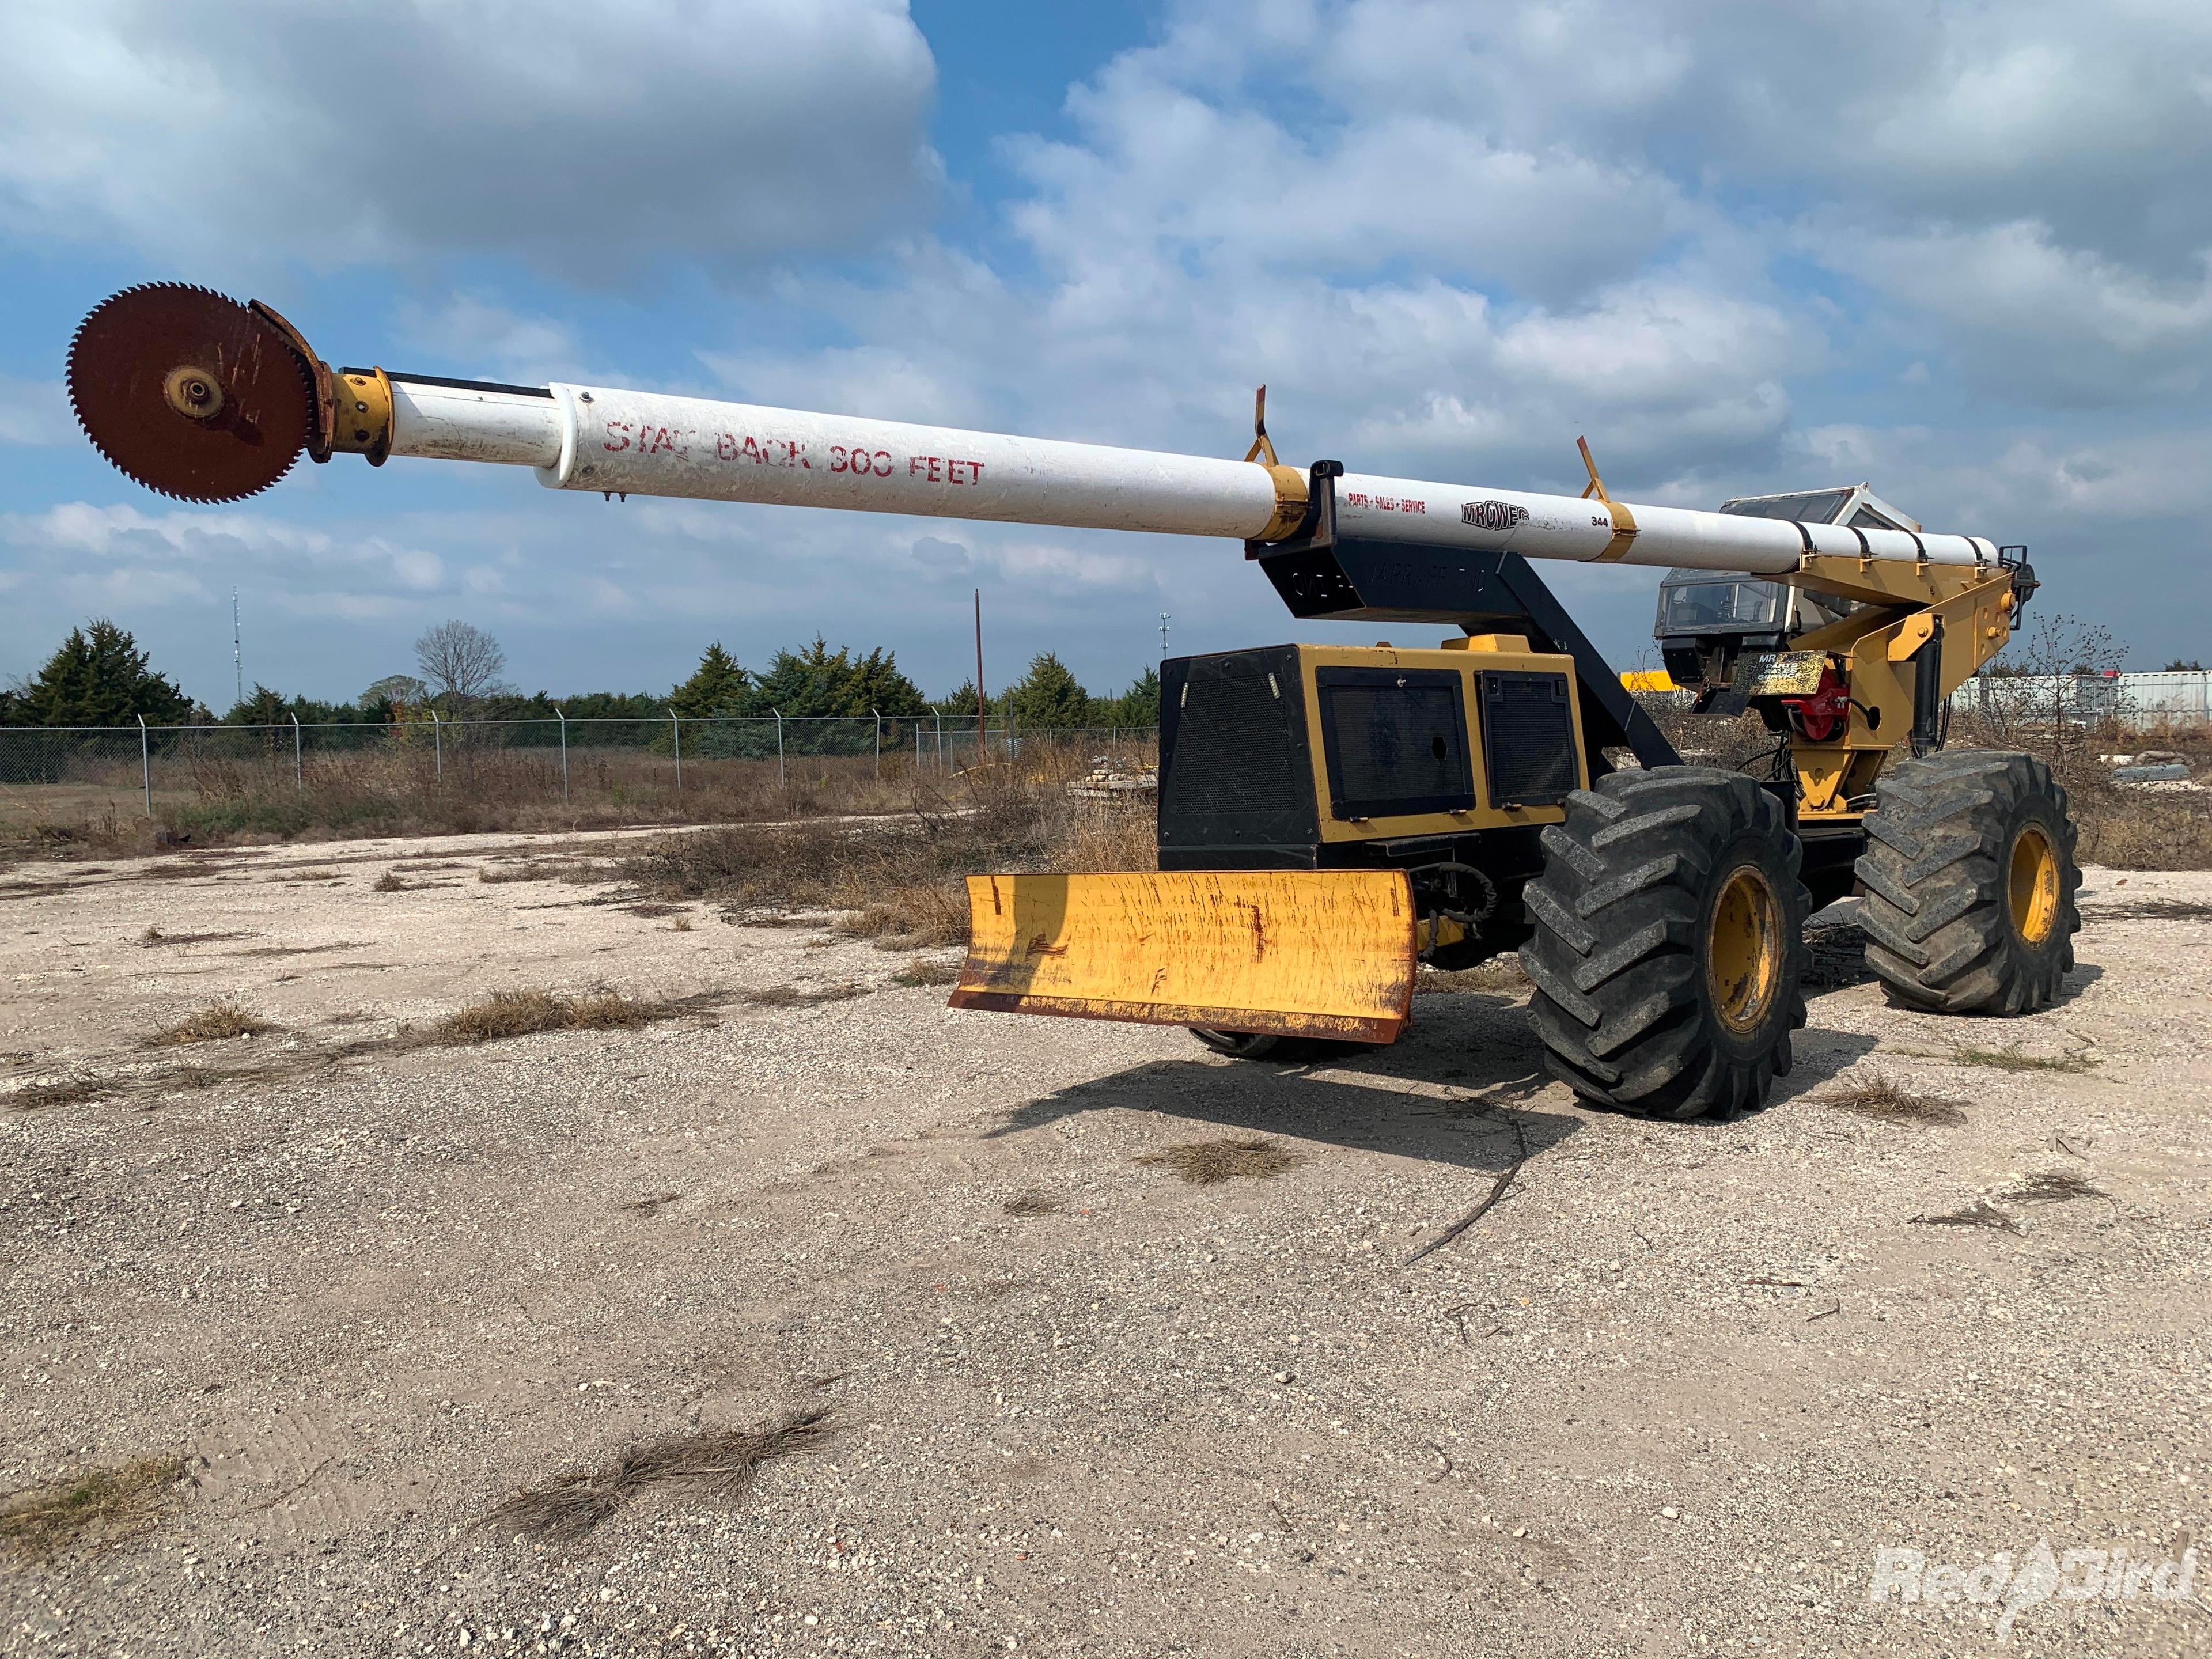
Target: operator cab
1708, 619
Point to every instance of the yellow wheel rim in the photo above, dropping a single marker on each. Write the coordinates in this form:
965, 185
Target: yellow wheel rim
2032, 885
1744, 950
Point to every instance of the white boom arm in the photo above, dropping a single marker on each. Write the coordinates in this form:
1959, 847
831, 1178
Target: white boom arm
642, 443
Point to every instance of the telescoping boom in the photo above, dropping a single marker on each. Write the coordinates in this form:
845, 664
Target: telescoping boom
124, 375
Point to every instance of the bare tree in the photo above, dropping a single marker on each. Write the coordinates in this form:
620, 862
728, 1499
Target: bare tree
461, 662
2052, 693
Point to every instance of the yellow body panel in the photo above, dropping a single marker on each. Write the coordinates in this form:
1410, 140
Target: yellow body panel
1326, 953
1467, 661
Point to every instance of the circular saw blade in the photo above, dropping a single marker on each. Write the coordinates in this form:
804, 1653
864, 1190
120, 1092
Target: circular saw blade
190, 393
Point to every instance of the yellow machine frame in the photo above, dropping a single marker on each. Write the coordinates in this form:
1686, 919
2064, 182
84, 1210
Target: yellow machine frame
1876, 648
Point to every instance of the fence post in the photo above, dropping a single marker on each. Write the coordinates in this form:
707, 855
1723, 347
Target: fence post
779, 780
563, 718
878, 714
299, 770
437, 745
675, 726
146, 765
917, 749
940, 739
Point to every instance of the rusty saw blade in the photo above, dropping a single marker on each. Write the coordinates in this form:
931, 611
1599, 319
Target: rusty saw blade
190, 393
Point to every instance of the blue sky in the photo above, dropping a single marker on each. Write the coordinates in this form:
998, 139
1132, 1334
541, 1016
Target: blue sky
1958, 250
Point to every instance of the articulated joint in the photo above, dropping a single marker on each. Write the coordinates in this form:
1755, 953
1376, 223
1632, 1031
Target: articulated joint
360, 413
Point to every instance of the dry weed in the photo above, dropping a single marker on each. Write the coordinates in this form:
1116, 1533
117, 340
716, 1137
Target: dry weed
155, 936
719, 1463
1499, 976
534, 870
1208, 1162
98, 1503
922, 971
2012, 1060
389, 882
214, 1024
1880, 1097
2054, 1186
526, 1013
901, 879
1980, 1213
792, 996
57, 1091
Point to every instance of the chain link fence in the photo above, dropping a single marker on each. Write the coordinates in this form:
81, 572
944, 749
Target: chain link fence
665, 768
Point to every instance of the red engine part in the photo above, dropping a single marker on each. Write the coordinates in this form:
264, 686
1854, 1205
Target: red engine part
1826, 712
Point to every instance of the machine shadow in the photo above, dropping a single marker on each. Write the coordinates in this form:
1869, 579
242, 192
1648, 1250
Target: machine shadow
1477, 1048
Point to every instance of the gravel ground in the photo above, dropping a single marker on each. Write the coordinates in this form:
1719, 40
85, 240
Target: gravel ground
1669, 1396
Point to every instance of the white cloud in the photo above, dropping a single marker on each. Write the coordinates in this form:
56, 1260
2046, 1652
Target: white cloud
2040, 322
591, 138
488, 339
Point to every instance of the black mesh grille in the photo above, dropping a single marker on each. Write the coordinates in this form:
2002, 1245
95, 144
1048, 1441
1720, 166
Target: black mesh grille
1528, 739
1236, 749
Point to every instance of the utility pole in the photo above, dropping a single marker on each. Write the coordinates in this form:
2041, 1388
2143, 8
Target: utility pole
237, 661
983, 707
1163, 636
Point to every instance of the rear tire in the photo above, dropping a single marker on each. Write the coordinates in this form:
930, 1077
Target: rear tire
1668, 952
1970, 884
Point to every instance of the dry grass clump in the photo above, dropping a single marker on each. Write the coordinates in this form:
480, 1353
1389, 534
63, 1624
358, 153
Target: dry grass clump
1499, 976
1980, 1213
1031, 1204
1881, 1098
792, 996
2125, 829
1209, 1163
2012, 1060
2054, 1186
719, 1464
526, 1013
922, 971
389, 882
903, 881
535, 870
215, 1023
155, 936
55, 1092
98, 1503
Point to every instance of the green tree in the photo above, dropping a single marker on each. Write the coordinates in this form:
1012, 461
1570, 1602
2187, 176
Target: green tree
1048, 695
1141, 704
818, 683
960, 703
719, 687
99, 678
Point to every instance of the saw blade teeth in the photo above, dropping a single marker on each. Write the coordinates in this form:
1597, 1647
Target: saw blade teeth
120, 361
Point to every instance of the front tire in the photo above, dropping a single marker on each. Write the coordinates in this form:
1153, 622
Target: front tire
1669, 950
1258, 1045
1970, 884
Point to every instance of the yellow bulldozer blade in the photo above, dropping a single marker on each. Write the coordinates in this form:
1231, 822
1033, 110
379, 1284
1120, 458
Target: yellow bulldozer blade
1319, 953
